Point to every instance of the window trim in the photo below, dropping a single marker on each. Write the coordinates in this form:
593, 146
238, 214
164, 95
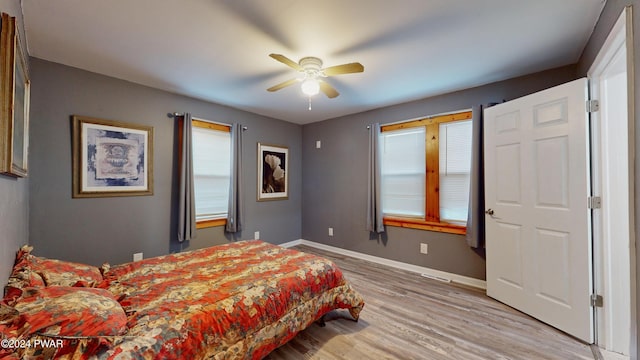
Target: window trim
431, 220
203, 224
421, 224
207, 223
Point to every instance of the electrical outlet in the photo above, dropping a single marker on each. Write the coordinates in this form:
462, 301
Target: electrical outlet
424, 248
256, 235
137, 256
330, 231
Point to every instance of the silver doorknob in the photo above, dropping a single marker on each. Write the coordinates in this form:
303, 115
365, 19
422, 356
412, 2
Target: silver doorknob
489, 212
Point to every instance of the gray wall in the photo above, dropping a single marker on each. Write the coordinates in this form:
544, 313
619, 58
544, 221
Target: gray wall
334, 179
14, 194
95, 230
609, 16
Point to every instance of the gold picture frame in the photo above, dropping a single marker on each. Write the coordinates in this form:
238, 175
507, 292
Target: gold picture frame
111, 158
273, 172
14, 101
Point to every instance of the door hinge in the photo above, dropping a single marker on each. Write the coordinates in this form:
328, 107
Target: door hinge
596, 300
594, 202
593, 105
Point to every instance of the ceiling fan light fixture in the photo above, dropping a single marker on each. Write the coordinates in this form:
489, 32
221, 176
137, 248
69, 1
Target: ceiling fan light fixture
311, 74
310, 87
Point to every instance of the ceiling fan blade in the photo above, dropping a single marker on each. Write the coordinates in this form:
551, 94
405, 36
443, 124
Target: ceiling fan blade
328, 90
282, 85
285, 60
344, 69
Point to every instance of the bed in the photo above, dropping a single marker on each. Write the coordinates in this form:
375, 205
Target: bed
235, 301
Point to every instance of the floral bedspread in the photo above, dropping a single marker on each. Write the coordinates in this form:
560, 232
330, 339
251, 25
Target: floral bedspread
235, 301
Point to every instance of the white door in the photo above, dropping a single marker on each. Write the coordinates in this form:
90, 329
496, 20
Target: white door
538, 242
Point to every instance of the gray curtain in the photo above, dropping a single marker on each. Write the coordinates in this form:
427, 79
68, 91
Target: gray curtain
235, 212
475, 217
374, 208
186, 202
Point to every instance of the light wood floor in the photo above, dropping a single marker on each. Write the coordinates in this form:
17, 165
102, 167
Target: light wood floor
407, 316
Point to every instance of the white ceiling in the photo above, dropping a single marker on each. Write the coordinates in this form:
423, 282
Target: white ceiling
217, 50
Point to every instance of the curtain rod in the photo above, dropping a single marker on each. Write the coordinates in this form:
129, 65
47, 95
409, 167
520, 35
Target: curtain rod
176, 114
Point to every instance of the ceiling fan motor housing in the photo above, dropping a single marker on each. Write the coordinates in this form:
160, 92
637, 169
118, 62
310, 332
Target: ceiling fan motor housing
312, 66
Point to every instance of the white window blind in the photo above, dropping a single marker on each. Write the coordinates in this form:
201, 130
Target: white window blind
403, 172
211, 172
455, 164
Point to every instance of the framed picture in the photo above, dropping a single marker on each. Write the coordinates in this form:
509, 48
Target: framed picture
14, 101
273, 172
111, 158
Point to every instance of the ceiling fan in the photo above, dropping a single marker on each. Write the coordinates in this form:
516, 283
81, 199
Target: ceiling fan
312, 73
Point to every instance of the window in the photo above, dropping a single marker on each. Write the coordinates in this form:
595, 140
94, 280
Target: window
454, 166
403, 172
211, 145
425, 173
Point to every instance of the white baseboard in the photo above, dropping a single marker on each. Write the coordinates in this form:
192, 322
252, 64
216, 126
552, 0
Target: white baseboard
424, 271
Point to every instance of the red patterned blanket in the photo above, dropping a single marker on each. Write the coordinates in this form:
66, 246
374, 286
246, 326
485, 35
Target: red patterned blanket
234, 301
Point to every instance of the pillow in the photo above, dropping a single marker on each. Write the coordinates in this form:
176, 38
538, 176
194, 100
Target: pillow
68, 311
33, 271
22, 274
66, 273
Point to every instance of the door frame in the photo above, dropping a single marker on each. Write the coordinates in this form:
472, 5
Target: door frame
615, 304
